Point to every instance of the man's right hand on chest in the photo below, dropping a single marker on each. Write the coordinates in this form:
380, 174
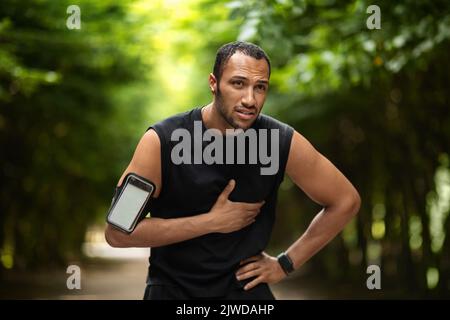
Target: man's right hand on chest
228, 216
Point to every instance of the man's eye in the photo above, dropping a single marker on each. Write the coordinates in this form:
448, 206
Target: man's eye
238, 83
261, 87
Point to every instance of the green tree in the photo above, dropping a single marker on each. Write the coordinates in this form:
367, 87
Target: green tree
62, 105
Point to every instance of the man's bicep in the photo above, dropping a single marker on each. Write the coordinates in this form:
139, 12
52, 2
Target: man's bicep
146, 160
315, 174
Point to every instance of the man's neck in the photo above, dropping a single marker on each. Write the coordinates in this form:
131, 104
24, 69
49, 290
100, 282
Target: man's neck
213, 119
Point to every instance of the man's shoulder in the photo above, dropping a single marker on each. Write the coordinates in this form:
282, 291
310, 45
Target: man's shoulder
179, 120
268, 122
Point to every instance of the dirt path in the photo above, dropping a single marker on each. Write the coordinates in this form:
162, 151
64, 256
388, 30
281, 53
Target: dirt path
102, 279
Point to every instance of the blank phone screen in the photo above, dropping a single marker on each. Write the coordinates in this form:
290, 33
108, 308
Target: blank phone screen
128, 206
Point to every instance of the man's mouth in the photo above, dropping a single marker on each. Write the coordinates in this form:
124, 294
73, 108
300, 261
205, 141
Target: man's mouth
245, 114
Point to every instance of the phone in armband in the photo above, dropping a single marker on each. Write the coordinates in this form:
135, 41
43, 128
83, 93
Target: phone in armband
127, 208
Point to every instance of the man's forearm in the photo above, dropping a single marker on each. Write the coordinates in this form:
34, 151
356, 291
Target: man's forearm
155, 232
324, 227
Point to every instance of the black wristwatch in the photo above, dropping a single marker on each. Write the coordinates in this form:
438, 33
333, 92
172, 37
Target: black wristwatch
286, 263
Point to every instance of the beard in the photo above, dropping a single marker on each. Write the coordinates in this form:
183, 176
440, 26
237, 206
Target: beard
223, 112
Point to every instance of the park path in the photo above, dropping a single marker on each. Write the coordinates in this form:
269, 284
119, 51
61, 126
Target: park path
105, 279
109, 274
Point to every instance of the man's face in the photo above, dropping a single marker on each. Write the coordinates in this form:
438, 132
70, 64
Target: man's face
242, 90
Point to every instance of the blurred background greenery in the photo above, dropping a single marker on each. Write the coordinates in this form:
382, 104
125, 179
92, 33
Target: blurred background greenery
74, 103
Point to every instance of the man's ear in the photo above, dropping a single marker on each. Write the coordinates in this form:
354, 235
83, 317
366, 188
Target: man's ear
212, 83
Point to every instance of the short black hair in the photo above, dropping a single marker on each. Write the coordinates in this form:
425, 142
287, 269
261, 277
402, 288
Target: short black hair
227, 50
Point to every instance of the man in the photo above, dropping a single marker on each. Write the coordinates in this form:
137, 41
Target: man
211, 220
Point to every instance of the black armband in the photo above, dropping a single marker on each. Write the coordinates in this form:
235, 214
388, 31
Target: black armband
117, 191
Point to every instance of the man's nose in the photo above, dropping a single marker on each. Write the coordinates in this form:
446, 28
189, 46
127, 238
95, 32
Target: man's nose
248, 100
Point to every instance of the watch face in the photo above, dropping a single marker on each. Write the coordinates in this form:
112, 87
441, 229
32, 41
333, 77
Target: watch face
286, 263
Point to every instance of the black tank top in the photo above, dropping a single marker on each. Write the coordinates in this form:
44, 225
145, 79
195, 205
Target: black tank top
205, 266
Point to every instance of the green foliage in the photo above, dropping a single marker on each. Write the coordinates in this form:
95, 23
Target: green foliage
61, 129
